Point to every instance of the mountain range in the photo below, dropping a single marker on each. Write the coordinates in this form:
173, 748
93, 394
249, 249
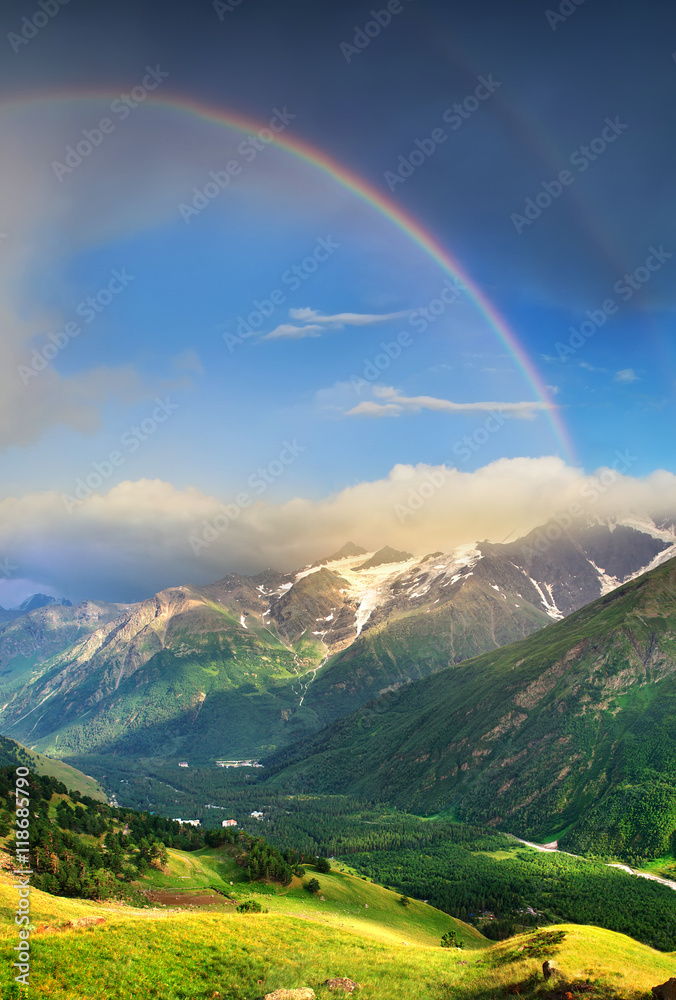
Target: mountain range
569, 734
248, 665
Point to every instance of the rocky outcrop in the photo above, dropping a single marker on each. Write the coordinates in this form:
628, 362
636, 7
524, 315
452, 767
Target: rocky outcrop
667, 991
304, 993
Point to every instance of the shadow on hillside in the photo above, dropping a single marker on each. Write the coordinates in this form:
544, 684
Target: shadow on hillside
534, 987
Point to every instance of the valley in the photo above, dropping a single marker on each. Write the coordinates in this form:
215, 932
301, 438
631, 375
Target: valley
393, 713
239, 933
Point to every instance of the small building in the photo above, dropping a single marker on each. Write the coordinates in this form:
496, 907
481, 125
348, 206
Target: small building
183, 763
188, 822
229, 822
256, 815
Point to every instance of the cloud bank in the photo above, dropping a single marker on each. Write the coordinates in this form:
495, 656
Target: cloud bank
136, 539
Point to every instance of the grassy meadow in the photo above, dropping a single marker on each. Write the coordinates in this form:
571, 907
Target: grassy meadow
351, 927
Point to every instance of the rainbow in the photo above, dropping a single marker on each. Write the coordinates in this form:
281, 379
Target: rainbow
374, 198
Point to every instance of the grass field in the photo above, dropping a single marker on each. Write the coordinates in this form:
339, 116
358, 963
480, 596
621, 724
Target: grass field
358, 929
70, 776
343, 899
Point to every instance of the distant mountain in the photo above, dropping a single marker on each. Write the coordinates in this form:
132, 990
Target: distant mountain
349, 549
386, 555
31, 604
570, 731
249, 664
41, 601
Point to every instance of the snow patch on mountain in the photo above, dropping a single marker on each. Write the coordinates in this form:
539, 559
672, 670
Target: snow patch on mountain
548, 602
608, 583
648, 527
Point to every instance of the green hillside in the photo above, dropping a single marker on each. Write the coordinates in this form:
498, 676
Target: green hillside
188, 935
248, 665
356, 903
175, 703
276, 656
92, 951
572, 729
13, 753
415, 644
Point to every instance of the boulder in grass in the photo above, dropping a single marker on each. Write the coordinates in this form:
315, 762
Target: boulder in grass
667, 991
548, 969
341, 983
303, 993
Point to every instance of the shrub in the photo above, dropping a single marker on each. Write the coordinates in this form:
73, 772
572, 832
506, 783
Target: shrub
250, 906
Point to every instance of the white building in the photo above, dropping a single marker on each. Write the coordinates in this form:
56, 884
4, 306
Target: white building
256, 815
229, 822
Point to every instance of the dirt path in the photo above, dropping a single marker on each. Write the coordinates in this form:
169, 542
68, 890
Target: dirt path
553, 849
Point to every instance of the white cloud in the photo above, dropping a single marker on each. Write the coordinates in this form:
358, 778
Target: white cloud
316, 323
395, 404
346, 319
134, 540
292, 332
626, 375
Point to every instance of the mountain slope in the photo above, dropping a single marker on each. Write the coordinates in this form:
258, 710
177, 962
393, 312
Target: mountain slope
249, 664
33, 637
176, 674
127, 952
573, 727
444, 609
13, 754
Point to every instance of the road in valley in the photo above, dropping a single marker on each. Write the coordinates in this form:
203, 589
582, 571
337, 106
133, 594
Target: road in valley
553, 849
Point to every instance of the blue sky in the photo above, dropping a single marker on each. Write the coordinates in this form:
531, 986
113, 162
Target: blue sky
593, 98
